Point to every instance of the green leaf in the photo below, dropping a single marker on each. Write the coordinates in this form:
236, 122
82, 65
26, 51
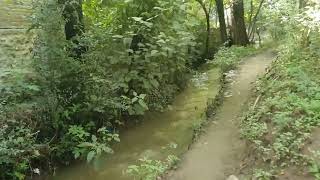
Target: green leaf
76, 155
107, 150
138, 109
94, 138
142, 96
161, 41
134, 99
127, 41
143, 104
90, 156
154, 83
130, 111
116, 138
85, 144
138, 19
158, 8
33, 87
98, 151
117, 36
154, 52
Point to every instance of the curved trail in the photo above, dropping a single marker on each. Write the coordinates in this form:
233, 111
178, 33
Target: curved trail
219, 152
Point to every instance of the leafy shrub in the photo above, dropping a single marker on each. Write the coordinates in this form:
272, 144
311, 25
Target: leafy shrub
18, 111
95, 147
151, 169
17, 147
314, 166
70, 108
228, 58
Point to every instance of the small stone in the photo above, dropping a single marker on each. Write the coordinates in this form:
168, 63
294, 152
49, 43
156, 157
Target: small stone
232, 177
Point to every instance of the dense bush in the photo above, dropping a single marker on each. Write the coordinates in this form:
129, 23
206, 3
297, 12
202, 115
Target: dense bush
137, 56
228, 58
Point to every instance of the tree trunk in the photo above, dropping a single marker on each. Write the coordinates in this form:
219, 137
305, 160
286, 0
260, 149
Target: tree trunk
240, 36
206, 12
253, 22
302, 4
251, 15
73, 15
222, 21
259, 38
208, 34
74, 25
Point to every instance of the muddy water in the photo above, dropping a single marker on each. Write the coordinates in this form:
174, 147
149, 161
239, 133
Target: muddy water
174, 126
219, 151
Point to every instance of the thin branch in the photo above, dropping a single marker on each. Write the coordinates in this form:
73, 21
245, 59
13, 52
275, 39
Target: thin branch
256, 102
255, 19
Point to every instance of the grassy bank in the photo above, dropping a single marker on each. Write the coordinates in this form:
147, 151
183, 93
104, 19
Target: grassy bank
283, 115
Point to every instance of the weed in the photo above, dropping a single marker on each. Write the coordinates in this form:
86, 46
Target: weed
151, 169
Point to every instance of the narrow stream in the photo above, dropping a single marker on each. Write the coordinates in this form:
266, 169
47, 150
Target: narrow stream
174, 126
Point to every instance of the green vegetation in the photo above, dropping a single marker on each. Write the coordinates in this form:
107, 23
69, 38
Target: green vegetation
228, 58
96, 67
90, 68
288, 98
314, 166
148, 169
151, 169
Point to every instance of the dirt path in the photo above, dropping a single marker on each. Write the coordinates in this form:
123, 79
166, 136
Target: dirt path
219, 152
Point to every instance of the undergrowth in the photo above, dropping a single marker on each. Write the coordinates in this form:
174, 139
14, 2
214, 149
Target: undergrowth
149, 169
72, 105
287, 106
228, 58
287, 112
291, 103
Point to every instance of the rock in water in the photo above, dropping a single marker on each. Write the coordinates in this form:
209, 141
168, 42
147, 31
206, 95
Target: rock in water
232, 177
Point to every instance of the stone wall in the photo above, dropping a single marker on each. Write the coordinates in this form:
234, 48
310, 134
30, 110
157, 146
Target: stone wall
15, 42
